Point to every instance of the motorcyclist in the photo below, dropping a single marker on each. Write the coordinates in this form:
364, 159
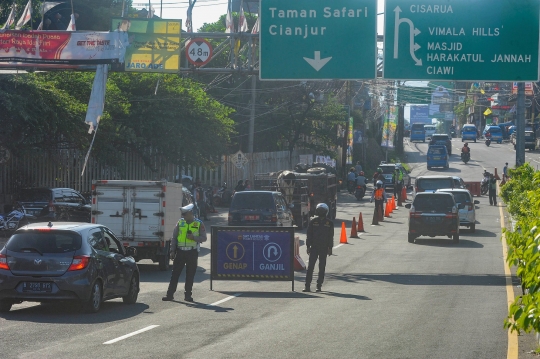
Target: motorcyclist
361, 181
351, 180
465, 148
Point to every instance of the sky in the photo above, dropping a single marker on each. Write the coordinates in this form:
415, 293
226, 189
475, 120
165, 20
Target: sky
209, 11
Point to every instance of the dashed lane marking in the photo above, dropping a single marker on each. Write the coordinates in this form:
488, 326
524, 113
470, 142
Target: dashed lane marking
224, 299
131, 334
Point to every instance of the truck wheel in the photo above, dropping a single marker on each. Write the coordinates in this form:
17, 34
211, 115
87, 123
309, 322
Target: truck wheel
410, 238
5, 306
455, 238
163, 263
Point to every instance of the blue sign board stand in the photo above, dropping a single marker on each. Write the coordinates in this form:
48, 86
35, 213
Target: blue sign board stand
252, 253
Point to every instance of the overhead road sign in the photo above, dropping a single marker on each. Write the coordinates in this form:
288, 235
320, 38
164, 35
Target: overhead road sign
461, 40
414, 95
318, 39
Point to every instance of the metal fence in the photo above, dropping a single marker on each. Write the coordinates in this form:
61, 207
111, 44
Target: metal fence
63, 168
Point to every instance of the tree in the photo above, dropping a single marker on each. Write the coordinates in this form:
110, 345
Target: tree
462, 110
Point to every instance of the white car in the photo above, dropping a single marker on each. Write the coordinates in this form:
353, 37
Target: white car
467, 214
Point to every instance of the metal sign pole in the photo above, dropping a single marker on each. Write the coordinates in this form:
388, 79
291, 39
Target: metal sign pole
520, 124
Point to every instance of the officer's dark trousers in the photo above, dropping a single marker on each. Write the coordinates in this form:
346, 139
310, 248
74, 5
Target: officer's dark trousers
493, 196
397, 190
379, 206
188, 259
313, 256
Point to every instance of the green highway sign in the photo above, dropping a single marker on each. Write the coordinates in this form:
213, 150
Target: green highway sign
416, 95
461, 40
318, 40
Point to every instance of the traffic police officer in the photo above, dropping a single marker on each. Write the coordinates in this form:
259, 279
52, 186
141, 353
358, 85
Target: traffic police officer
186, 241
379, 195
319, 242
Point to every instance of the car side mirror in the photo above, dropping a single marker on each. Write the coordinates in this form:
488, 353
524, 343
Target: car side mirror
476, 202
131, 251
408, 205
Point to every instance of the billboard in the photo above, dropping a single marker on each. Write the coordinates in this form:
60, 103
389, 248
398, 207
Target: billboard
60, 47
252, 253
420, 114
389, 127
152, 45
350, 142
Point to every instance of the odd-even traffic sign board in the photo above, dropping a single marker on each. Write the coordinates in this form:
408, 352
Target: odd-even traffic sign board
318, 39
461, 40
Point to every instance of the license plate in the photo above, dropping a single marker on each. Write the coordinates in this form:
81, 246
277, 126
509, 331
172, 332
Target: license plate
251, 218
433, 219
436, 158
37, 287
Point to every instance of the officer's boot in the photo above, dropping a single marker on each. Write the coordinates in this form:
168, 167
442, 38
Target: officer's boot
188, 297
319, 287
306, 288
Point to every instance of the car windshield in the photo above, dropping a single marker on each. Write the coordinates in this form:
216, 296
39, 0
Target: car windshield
436, 151
437, 203
494, 129
427, 184
35, 195
440, 137
44, 241
417, 127
461, 197
429, 128
388, 169
253, 200
469, 129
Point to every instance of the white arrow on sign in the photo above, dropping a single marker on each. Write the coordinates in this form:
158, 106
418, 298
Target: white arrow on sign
412, 33
317, 63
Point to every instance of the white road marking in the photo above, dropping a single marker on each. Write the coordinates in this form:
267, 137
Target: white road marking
339, 245
131, 334
224, 299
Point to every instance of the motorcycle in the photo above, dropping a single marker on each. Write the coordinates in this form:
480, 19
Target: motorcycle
223, 196
360, 192
488, 142
209, 194
465, 156
484, 184
15, 219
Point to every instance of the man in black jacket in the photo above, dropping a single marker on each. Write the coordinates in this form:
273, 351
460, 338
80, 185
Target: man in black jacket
320, 240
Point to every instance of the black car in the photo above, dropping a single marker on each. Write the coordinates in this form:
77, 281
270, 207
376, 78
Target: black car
260, 208
55, 204
84, 262
433, 214
442, 139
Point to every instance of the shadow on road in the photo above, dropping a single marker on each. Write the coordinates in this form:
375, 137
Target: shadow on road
441, 242
197, 305
70, 313
482, 233
151, 274
274, 295
345, 295
423, 279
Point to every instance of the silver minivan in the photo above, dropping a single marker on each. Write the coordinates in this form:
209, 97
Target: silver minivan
467, 214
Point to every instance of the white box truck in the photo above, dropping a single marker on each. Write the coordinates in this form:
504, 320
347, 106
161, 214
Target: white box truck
142, 214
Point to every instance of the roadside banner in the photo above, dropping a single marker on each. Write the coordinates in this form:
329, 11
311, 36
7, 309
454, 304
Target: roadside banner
152, 45
61, 47
389, 127
252, 253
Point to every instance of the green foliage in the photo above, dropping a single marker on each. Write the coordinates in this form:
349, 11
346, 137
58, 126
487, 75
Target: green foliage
461, 110
522, 194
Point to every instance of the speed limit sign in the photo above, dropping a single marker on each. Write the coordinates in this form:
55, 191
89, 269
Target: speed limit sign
199, 52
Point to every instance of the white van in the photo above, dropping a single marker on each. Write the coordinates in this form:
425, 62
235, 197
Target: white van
430, 130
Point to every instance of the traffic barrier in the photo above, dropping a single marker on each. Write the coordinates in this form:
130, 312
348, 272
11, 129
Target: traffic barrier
474, 187
387, 209
496, 175
299, 263
343, 237
360, 223
404, 194
354, 232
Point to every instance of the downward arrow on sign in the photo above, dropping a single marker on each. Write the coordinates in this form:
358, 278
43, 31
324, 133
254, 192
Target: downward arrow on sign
317, 63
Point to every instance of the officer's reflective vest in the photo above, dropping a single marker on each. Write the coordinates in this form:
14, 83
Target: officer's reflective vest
379, 194
183, 227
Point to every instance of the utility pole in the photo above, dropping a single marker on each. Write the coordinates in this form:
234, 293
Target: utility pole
520, 124
400, 128
252, 115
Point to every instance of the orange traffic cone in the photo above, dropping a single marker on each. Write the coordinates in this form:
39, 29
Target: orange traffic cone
354, 233
360, 223
343, 237
387, 210
404, 194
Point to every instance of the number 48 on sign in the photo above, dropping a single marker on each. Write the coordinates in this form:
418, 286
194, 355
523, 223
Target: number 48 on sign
199, 52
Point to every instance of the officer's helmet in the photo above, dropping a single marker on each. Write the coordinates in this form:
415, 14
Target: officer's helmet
379, 184
322, 210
